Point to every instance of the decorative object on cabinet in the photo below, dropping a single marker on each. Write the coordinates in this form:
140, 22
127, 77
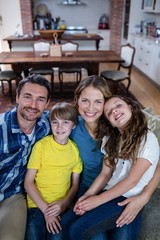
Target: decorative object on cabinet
42, 48
8, 76
48, 34
72, 3
42, 10
69, 47
56, 48
116, 76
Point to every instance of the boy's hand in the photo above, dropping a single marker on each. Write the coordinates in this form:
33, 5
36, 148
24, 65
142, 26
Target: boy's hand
53, 224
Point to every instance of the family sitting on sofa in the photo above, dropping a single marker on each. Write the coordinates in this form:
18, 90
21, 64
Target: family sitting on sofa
129, 152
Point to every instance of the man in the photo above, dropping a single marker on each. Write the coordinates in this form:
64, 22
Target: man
20, 128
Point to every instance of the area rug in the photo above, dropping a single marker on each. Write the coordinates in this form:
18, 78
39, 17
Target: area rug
66, 95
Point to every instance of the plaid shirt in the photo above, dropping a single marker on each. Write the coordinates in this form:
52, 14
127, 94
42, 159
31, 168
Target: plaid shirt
15, 149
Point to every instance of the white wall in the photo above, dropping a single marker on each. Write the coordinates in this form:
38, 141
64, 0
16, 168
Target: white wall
11, 17
78, 15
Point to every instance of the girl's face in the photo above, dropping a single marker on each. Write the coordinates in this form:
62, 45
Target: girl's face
118, 112
90, 104
61, 129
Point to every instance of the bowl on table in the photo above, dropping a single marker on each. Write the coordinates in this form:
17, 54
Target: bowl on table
48, 34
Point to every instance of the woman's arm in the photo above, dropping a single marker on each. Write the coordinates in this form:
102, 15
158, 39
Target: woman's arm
135, 174
32, 191
136, 203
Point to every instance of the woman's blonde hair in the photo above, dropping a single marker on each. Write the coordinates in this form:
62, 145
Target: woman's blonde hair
126, 144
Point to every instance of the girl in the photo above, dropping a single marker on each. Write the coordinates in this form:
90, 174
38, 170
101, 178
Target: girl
131, 156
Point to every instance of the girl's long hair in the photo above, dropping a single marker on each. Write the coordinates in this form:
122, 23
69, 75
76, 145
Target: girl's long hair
126, 144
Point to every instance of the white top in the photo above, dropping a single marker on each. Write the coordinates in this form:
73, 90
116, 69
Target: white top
149, 151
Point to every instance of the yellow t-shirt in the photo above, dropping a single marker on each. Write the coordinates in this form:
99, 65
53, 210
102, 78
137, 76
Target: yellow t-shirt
55, 164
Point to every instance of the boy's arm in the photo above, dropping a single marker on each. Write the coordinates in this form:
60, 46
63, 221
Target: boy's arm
60, 206
32, 191
136, 203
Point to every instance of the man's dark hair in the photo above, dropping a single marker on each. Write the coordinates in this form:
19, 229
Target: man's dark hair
35, 79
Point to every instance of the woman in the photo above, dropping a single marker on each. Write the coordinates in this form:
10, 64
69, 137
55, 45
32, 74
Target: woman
131, 156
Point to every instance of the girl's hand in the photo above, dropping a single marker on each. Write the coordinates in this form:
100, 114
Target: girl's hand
56, 208
133, 206
87, 204
53, 224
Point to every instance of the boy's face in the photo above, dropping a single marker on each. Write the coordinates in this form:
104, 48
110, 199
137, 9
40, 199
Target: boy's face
61, 129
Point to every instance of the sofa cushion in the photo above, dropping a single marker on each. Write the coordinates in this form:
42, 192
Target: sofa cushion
153, 122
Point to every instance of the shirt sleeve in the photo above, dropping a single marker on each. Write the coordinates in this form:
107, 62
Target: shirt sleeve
35, 157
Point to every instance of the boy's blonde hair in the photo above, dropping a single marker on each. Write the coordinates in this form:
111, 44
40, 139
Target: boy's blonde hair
64, 110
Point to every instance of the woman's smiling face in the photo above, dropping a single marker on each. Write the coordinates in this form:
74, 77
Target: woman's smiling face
91, 104
118, 112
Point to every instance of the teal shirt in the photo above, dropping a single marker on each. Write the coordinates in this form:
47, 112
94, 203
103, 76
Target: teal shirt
91, 155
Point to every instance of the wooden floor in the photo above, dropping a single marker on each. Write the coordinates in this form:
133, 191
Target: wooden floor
146, 92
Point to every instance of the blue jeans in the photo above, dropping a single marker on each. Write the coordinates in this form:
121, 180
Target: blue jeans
36, 227
103, 219
99, 224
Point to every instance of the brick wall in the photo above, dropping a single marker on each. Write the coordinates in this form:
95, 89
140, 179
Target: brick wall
26, 13
115, 23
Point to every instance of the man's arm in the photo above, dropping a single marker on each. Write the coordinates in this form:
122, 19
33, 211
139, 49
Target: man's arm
136, 203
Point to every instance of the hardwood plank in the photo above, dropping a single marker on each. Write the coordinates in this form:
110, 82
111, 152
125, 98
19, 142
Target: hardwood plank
142, 88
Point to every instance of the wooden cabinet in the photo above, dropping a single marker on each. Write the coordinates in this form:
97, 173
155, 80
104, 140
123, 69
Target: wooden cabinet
147, 57
152, 6
144, 55
156, 64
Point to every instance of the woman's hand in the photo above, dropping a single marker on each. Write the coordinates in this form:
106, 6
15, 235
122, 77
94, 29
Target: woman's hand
133, 206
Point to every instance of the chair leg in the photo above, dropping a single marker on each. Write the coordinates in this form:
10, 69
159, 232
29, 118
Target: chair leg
78, 77
129, 83
10, 89
52, 82
2, 87
61, 81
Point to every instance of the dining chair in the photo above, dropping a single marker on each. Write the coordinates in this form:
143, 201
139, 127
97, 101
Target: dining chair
8, 76
123, 71
68, 48
42, 47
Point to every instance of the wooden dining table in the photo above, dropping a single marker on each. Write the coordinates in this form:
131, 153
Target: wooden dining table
90, 60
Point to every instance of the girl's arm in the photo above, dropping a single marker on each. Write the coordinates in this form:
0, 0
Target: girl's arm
136, 203
32, 191
100, 181
98, 184
135, 174
60, 206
